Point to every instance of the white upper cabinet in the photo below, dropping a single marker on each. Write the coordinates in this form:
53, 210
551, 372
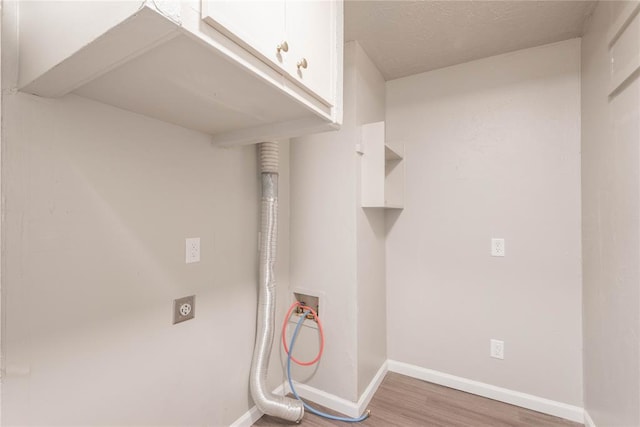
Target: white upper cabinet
296, 36
257, 25
242, 71
311, 29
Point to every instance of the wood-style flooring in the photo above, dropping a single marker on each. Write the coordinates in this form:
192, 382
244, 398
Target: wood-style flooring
403, 401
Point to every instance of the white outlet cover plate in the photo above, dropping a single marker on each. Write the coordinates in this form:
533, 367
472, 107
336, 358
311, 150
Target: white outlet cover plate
497, 349
192, 250
497, 247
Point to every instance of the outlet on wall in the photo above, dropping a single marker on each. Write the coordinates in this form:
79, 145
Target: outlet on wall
497, 247
497, 349
192, 250
184, 309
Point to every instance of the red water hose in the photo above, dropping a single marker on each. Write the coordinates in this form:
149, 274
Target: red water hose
320, 330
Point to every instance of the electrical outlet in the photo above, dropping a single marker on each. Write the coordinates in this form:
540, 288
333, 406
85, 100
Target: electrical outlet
497, 247
497, 349
192, 250
184, 309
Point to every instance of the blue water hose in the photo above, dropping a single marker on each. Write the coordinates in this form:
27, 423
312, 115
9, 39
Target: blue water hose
293, 390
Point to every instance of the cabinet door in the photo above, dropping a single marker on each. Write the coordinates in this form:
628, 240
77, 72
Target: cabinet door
311, 31
258, 25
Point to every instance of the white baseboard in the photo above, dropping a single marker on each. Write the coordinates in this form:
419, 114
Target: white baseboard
371, 389
331, 401
338, 404
355, 409
588, 421
248, 418
252, 415
535, 403
313, 395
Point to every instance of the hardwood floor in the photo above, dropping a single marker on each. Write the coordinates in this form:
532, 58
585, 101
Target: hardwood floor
404, 401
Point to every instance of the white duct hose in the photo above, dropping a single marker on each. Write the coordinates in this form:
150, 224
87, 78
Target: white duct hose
269, 158
270, 404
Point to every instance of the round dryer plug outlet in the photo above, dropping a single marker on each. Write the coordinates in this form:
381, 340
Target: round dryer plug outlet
185, 309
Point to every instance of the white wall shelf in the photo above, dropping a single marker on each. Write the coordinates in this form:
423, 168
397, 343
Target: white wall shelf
162, 60
382, 169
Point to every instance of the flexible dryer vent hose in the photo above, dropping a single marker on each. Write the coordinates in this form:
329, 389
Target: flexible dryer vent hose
269, 157
270, 404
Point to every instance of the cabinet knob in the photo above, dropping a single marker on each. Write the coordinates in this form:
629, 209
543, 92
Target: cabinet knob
302, 63
283, 47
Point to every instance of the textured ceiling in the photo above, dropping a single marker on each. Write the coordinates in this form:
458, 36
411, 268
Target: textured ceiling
409, 37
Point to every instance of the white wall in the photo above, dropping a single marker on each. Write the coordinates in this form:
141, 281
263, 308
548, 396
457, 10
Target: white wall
97, 203
372, 320
337, 248
323, 253
611, 226
492, 150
